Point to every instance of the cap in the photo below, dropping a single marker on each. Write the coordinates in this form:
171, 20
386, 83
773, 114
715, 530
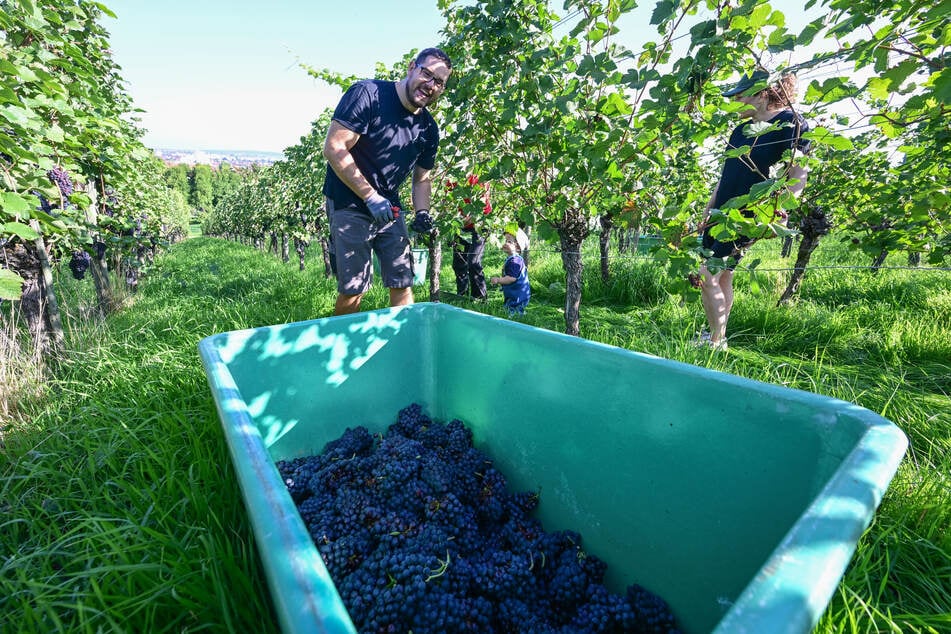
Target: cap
522, 240
757, 78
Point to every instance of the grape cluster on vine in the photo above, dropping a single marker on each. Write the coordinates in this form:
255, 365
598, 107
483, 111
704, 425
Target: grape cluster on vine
79, 263
816, 222
61, 179
420, 533
45, 205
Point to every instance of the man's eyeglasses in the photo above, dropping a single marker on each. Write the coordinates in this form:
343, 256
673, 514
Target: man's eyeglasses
429, 76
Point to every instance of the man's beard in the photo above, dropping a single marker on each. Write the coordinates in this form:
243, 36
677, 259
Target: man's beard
412, 98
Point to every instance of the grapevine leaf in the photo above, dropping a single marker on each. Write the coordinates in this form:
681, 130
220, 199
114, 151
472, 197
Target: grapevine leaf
11, 285
901, 72
879, 87
938, 11
19, 229
26, 74
597, 33
941, 82
15, 204
16, 115
7, 95
831, 90
743, 150
760, 15
663, 11
615, 104
55, 134
762, 189
809, 32
825, 136
887, 127
781, 40
45, 218
703, 31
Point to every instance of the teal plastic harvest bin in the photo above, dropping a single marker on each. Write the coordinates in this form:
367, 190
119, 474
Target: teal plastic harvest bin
740, 502
645, 243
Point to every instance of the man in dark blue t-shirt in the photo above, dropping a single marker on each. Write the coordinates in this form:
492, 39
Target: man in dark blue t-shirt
381, 133
771, 108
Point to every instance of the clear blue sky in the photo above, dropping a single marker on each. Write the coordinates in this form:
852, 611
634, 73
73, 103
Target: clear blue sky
215, 74
223, 75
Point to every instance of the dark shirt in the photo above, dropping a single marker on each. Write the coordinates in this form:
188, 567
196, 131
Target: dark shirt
765, 151
393, 141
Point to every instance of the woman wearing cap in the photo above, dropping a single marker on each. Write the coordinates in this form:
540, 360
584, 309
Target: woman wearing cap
770, 103
514, 280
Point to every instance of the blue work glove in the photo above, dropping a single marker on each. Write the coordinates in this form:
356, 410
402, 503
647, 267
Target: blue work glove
380, 208
422, 222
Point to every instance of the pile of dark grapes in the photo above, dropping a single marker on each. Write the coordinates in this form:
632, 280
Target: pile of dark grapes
79, 263
421, 534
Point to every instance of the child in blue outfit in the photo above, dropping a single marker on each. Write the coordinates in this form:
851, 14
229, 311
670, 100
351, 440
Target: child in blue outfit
514, 279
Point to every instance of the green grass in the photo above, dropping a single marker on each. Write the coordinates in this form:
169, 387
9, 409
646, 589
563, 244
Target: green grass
119, 509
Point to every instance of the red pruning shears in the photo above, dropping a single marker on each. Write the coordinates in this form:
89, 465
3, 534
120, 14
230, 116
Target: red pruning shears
395, 210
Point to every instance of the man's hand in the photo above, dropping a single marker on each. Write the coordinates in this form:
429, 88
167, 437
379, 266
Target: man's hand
422, 222
380, 208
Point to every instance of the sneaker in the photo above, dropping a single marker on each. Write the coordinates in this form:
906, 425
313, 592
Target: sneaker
703, 341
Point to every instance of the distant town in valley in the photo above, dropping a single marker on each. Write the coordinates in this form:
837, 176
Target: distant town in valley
214, 158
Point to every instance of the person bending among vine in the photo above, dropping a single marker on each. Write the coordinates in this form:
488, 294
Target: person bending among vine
772, 131
468, 246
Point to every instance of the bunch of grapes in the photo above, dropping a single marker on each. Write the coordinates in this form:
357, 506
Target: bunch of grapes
60, 177
45, 205
816, 222
420, 533
79, 263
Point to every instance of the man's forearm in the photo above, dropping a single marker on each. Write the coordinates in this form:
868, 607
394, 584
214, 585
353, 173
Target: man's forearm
422, 193
343, 165
799, 174
713, 197
337, 152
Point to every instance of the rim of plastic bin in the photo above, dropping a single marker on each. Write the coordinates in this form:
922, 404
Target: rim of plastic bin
311, 603
807, 565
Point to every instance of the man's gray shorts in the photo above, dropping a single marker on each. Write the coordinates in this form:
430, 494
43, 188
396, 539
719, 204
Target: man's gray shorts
354, 236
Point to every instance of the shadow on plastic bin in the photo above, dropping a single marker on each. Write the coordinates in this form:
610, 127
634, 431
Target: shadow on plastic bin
265, 358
